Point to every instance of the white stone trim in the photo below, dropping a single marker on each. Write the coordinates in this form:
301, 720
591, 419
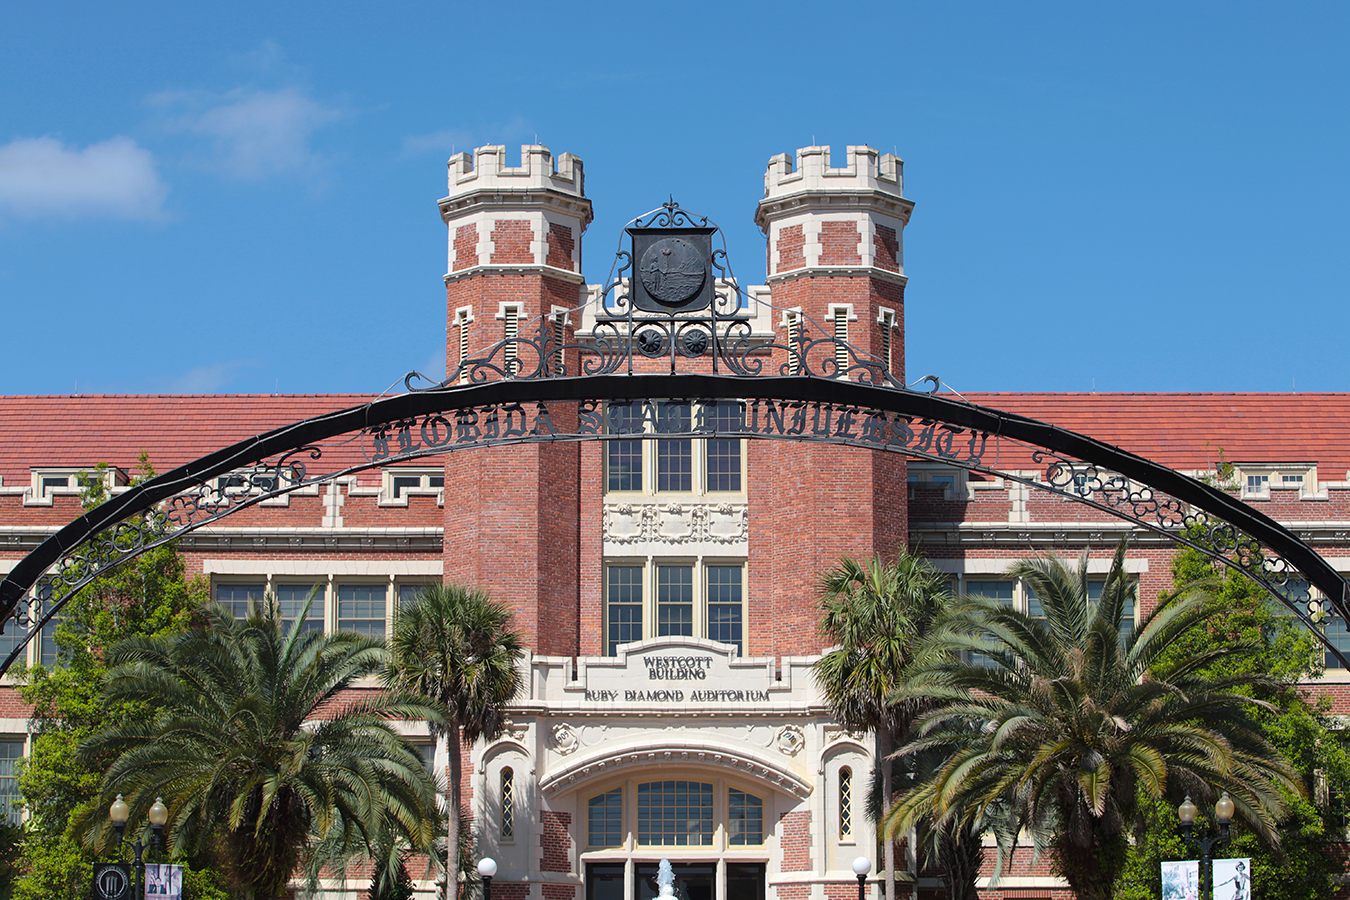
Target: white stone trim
360, 568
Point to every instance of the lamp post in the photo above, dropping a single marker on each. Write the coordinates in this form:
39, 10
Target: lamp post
1223, 814
118, 813
861, 866
487, 867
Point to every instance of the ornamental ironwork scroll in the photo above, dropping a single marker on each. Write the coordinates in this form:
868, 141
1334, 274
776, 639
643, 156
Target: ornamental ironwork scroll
672, 297
687, 316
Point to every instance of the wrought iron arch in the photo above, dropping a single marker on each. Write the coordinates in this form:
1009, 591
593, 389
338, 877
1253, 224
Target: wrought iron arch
804, 387
919, 425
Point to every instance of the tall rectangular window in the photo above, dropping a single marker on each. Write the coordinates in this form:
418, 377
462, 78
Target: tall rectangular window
1002, 591
11, 809
846, 804
623, 606
604, 819
725, 606
291, 598
723, 455
361, 608
508, 805
745, 815
624, 457
674, 600
675, 458
1339, 637
47, 650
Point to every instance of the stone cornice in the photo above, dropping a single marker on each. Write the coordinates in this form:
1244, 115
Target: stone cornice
838, 272
814, 202
515, 268
716, 755
522, 200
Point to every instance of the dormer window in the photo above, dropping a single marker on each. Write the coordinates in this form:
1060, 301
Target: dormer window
1257, 480
403, 482
47, 483
948, 480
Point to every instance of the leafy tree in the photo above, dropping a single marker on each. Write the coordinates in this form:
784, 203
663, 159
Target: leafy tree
1077, 722
876, 613
1283, 649
257, 746
456, 646
149, 595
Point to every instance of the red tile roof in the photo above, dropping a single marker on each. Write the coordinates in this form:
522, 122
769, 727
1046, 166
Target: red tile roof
1187, 431
86, 430
1184, 431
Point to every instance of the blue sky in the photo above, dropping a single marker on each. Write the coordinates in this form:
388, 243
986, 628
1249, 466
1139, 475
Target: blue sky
242, 197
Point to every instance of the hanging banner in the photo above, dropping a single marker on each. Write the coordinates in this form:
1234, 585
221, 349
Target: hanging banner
163, 882
1181, 880
1232, 879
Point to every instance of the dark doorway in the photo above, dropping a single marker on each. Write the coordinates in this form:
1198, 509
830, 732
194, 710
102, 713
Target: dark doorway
604, 881
693, 881
745, 881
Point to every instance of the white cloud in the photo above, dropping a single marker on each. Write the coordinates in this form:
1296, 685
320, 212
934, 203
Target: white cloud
255, 134
451, 140
116, 178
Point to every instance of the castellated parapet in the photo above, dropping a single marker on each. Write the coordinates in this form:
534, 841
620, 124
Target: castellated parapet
845, 221
501, 217
486, 169
866, 170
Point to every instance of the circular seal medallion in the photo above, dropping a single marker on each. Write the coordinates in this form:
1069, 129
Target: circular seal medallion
673, 271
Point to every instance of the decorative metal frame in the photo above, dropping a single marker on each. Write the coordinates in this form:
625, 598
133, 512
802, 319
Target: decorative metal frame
827, 391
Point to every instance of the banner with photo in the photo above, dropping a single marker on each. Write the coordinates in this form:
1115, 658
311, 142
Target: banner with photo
163, 882
1181, 880
1232, 879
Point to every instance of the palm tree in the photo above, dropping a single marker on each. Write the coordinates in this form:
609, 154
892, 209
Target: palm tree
876, 613
257, 747
456, 646
1076, 720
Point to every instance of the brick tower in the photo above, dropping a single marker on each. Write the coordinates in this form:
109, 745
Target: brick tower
834, 257
515, 256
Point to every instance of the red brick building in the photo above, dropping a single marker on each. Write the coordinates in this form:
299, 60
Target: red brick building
664, 586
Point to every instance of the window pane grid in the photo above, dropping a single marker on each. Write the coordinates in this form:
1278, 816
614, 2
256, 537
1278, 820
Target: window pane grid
408, 592
361, 608
237, 597
10, 801
624, 458
675, 600
605, 819
675, 813
746, 812
291, 599
623, 606
47, 650
724, 604
675, 465
1339, 637
724, 454
1002, 591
